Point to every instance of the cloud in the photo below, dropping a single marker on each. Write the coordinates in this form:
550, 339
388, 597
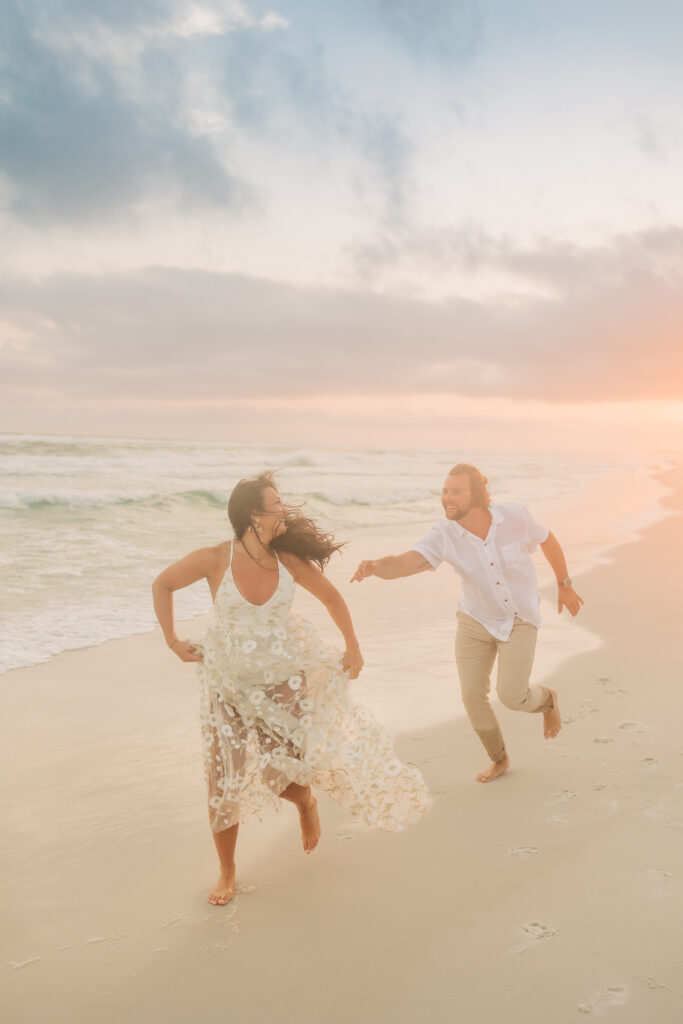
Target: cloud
447, 31
610, 333
113, 109
550, 269
91, 116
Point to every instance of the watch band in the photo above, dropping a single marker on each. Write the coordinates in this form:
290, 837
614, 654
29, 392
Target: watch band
566, 583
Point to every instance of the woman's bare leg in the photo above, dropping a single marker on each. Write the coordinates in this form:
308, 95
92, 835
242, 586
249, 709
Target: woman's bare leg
225, 841
307, 806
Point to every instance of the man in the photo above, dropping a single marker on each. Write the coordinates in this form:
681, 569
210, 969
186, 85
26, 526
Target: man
489, 546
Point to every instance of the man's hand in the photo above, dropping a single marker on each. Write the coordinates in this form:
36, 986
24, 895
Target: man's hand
569, 599
366, 568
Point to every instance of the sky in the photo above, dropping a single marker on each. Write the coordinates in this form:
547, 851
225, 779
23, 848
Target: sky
351, 222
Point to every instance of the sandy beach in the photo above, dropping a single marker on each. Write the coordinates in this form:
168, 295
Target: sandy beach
554, 895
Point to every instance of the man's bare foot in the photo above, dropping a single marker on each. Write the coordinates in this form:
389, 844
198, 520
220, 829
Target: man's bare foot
495, 769
224, 888
552, 720
310, 824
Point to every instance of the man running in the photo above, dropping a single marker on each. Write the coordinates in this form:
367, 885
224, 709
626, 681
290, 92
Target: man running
488, 544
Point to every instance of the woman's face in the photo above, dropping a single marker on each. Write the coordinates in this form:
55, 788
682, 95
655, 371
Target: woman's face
272, 518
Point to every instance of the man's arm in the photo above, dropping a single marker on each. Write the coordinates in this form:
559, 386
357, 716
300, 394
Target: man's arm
392, 567
566, 596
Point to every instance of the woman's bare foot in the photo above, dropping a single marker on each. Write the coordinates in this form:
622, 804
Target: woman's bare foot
310, 823
495, 770
552, 720
224, 888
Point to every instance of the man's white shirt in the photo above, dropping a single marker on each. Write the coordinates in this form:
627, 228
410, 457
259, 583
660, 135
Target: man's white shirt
498, 576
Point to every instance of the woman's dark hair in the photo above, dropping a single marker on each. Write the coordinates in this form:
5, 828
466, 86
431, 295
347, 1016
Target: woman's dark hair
302, 536
478, 482
245, 499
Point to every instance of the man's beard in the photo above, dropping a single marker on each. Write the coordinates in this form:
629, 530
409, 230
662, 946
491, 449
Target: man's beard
461, 514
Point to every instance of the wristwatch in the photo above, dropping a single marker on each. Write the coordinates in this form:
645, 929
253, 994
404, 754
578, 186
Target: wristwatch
566, 583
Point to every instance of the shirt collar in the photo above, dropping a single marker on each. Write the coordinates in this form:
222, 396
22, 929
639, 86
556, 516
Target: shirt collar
496, 519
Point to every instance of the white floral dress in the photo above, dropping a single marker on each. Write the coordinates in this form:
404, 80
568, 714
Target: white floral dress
275, 709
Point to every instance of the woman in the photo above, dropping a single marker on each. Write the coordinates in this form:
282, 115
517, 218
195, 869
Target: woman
275, 711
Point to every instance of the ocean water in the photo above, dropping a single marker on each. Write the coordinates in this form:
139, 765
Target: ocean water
87, 523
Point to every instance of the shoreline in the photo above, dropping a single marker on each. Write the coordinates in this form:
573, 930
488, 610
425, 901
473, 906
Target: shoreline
635, 517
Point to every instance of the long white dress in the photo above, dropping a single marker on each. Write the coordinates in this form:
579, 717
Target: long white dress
275, 708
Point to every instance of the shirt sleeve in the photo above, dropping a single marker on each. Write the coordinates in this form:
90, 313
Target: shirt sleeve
431, 546
535, 533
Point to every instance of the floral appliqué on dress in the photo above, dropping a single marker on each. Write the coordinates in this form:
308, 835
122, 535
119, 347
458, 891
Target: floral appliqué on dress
275, 708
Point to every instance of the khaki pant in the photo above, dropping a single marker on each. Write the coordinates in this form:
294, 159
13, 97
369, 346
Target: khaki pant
475, 653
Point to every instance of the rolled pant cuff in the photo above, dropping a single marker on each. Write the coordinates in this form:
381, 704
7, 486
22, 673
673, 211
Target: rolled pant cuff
493, 743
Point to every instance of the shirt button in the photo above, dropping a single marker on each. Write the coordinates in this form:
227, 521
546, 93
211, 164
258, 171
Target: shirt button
490, 563
497, 583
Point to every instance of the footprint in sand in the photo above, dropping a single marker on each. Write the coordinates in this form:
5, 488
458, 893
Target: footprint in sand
649, 762
658, 812
559, 819
603, 739
523, 852
563, 795
604, 999
633, 727
610, 685
533, 933
342, 836
651, 982
555, 750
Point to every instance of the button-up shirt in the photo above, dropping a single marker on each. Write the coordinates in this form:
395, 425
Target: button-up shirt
498, 577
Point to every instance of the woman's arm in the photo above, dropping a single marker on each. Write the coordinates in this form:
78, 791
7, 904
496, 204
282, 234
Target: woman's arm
309, 576
202, 564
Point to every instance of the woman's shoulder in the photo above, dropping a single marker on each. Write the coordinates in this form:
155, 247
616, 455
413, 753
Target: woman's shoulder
294, 564
224, 550
217, 556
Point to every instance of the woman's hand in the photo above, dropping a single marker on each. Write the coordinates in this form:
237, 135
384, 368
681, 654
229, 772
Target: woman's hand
352, 662
185, 650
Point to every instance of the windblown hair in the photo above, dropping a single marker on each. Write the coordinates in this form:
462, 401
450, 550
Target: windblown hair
478, 483
302, 536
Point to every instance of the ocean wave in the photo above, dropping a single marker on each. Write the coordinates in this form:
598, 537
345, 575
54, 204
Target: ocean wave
373, 498
297, 459
100, 499
104, 499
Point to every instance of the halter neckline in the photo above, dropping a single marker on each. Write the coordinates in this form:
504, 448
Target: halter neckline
252, 604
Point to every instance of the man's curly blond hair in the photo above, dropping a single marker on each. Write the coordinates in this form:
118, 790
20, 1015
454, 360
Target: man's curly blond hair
478, 483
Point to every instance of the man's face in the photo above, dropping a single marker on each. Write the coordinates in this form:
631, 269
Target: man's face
456, 496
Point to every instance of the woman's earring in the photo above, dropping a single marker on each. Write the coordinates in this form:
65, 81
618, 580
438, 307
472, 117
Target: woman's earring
257, 526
